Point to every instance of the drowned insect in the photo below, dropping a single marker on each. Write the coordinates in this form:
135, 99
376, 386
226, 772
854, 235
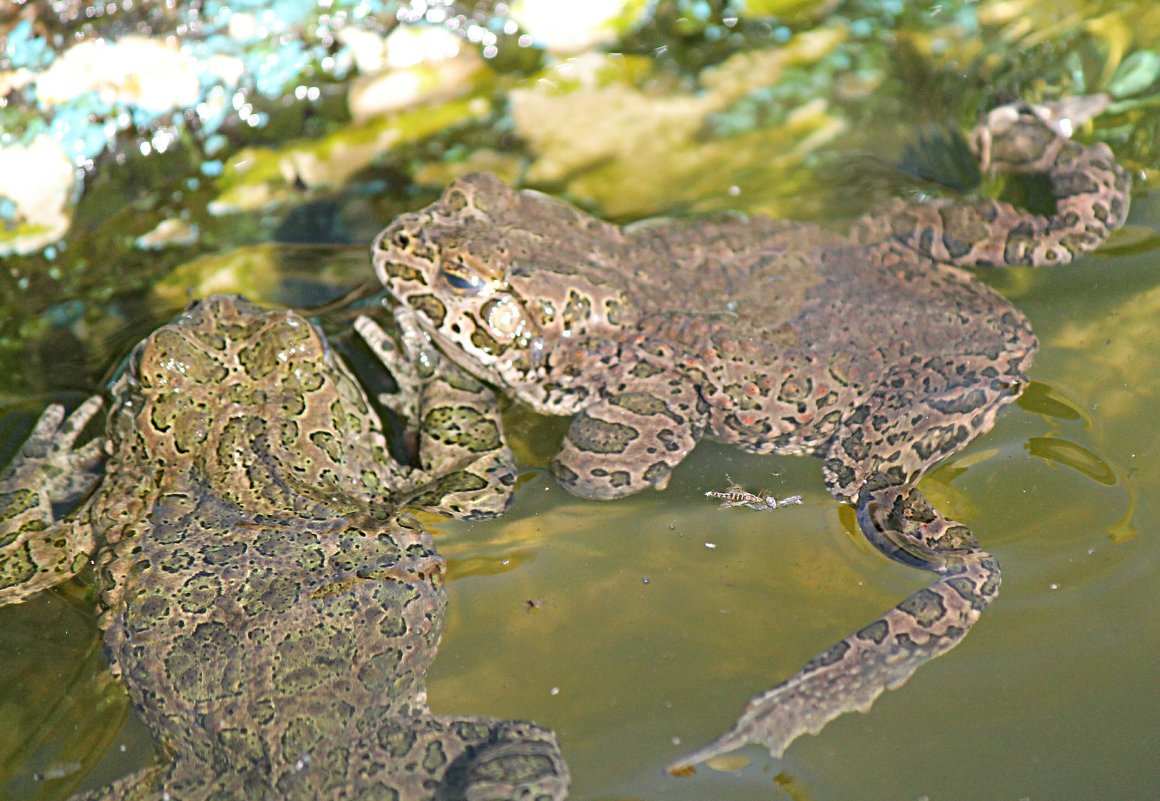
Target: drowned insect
738, 496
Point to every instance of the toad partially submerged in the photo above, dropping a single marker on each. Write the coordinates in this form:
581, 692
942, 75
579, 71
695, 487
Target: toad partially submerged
271, 612
875, 352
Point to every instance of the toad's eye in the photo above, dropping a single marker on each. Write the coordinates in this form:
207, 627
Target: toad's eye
460, 279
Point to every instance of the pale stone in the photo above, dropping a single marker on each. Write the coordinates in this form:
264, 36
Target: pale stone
417, 64
151, 74
567, 28
40, 181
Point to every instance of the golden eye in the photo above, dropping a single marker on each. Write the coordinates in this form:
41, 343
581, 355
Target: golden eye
461, 279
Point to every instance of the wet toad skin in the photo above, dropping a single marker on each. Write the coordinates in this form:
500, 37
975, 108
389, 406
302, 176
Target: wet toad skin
875, 351
270, 610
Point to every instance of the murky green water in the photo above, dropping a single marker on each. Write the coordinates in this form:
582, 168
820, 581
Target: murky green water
638, 629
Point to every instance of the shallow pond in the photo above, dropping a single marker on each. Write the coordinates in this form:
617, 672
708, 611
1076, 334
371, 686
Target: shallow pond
638, 629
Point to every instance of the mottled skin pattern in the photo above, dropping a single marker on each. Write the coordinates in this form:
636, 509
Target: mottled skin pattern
875, 352
272, 614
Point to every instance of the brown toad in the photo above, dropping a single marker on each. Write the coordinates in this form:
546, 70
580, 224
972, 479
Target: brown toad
875, 352
270, 611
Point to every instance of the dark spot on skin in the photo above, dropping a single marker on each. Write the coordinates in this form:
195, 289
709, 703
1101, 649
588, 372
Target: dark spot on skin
455, 200
642, 370
397, 742
434, 758
925, 606
484, 342
642, 403
592, 435
430, 307
199, 593
462, 427
399, 271
460, 481
612, 311
17, 567
576, 313
377, 672
613, 478
564, 474
657, 472
876, 632
828, 657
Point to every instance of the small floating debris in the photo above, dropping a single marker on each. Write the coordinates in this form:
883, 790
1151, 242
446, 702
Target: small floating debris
58, 770
737, 496
729, 763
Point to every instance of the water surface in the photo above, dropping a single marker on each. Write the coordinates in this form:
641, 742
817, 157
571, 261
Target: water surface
638, 629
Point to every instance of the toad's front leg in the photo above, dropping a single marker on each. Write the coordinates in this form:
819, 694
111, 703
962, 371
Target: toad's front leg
38, 551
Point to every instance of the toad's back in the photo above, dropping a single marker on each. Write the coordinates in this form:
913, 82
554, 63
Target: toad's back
792, 324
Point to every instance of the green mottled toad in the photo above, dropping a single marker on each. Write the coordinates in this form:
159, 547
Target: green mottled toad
271, 612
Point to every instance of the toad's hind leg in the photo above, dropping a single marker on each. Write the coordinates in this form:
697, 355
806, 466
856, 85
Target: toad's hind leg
849, 675
922, 412
1091, 193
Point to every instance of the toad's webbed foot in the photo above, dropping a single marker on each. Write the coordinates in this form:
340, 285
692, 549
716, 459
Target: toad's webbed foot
849, 675
520, 760
48, 461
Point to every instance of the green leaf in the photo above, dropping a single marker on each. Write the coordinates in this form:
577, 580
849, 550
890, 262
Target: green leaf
1135, 74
